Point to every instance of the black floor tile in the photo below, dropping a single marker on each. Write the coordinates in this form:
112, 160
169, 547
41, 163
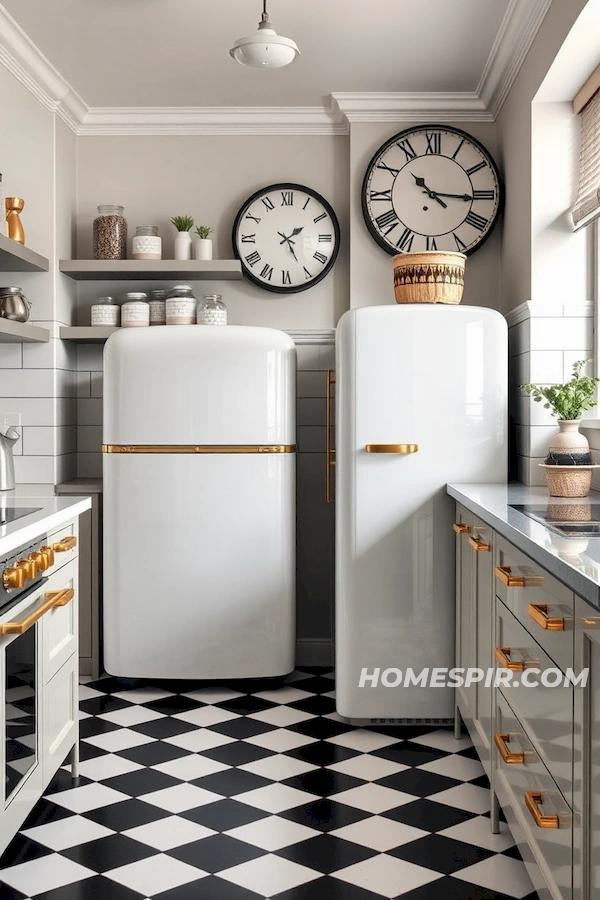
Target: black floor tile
318, 706
324, 815
410, 754
322, 754
96, 706
45, 812
326, 853
242, 728
320, 728
454, 889
210, 888
8, 893
441, 854
237, 754
223, 815
153, 754
418, 782
142, 781
21, 849
326, 889
428, 815
231, 782
108, 852
126, 814
245, 705
62, 781
170, 706
323, 782
95, 888
93, 726
217, 853
89, 751
163, 728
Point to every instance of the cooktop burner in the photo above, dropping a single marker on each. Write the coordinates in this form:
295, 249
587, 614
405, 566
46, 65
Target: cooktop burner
570, 519
10, 514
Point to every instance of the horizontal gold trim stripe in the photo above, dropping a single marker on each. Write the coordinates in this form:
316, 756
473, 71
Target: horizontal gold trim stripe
199, 448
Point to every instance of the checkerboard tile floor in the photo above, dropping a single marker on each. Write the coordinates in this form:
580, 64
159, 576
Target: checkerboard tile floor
247, 793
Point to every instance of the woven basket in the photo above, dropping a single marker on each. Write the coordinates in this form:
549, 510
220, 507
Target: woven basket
429, 277
568, 481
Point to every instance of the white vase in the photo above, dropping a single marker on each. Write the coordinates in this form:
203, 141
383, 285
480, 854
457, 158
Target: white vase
204, 248
183, 245
569, 447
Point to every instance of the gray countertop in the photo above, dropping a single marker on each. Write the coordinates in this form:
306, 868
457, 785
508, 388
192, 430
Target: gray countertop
573, 560
48, 512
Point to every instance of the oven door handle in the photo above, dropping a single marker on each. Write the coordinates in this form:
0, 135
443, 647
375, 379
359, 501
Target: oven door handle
49, 600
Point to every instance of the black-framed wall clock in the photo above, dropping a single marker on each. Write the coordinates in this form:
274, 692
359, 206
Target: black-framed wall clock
431, 187
287, 238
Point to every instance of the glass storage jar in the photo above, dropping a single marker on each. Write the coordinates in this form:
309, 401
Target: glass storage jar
106, 311
156, 302
146, 243
110, 233
181, 306
135, 311
211, 310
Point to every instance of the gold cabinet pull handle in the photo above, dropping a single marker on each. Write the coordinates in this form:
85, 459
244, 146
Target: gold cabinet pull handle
48, 554
65, 544
503, 574
329, 452
539, 613
478, 544
392, 448
501, 740
502, 654
459, 528
51, 599
533, 801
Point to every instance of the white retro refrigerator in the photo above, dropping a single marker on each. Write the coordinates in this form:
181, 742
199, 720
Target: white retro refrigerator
199, 502
421, 400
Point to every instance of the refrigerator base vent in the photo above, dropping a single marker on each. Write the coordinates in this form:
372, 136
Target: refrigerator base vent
426, 721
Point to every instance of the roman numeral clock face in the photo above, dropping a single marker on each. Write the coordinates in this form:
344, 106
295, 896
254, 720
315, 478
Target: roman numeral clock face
431, 188
286, 237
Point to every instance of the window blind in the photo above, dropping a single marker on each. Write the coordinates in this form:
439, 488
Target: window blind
587, 204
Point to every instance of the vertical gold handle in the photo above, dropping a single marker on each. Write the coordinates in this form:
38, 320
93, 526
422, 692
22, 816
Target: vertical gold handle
539, 613
533, 801
330, 452
460, 528
501, 740
503, 574
479, 545
502, 654
67, 543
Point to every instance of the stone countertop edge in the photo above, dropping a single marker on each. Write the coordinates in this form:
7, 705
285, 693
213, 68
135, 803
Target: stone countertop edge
493, 501
52, 513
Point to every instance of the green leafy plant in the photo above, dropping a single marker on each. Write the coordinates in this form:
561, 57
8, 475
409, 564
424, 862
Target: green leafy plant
182, 223
569, 400
203, 232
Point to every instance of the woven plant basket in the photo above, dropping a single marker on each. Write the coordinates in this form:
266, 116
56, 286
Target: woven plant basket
568, 481
432, 276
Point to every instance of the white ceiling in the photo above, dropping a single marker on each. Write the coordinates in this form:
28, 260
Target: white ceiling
174, 53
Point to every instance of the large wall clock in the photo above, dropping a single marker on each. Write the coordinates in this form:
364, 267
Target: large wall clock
286, 237
431, 187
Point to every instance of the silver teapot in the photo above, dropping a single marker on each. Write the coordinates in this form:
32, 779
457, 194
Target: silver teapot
14, 304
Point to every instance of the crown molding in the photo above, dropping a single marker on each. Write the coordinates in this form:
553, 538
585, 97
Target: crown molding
411, 107
311, 335
519, 27
533, 310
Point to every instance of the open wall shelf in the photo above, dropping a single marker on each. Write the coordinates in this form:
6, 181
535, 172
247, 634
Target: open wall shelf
87, 334
151, 270
22, 333
15, 257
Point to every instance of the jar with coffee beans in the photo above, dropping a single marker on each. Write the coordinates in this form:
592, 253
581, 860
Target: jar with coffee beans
110, 233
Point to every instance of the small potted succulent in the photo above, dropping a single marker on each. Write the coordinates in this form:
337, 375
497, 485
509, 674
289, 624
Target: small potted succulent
204, 245
569, 462
183, 238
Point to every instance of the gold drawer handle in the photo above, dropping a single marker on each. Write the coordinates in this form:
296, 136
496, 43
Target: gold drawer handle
501, 740
51, 599
539, 613
478, 544
66, 544
392, 448
533, 801
503, 574
459, 528
502, 654
329, 452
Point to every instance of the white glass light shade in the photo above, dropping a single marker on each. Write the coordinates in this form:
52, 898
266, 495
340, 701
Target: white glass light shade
264, 50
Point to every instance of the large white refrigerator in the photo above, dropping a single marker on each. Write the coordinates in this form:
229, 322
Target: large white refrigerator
421, 400
199, 502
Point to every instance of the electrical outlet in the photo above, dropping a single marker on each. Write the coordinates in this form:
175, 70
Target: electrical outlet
10, 420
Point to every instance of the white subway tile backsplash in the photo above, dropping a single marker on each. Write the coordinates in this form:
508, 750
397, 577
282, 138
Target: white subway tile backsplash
33, 411
311, 384
326, 356
11, 356
534, 441
49, 441
546, 366
66, 411
55, 354
89, 465
34, 469
28, 383
560, 334
83, 384
572, 356
311, 438
97, 384
308, 357
89, 438
311, 411
529, 471
89, 412
518, 338
89, 357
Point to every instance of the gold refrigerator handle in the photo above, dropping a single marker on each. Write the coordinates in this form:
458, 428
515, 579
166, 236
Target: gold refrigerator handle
392, 448
330, 452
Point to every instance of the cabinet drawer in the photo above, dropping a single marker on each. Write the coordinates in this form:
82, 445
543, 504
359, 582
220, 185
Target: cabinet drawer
60, 624
546, 713
532, 792
542, 604
63, 541
60, 725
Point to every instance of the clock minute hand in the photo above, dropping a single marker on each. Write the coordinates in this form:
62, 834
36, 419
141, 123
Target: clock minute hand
288, 241
464, 197
432, 194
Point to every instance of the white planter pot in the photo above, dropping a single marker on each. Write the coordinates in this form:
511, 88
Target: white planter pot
204, 248
183, 245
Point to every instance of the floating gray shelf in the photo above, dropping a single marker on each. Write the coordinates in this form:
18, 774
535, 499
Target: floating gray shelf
151, 270
22, 333
15, 257
87, 334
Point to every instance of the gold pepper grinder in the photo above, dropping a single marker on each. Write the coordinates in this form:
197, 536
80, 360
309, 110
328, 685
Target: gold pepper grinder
14, 206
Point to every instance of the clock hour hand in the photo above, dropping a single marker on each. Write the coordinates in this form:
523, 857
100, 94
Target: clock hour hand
432, 194
288, 240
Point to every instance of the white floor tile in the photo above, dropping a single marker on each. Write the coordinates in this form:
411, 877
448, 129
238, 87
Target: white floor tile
286, 694
199, 740
269, 875
280, 740
88, 693
367, 767
143, 695
205, 716
213, 695
188, 768
379, 833
169, 833
278, 767
131, 715
362, 740
499, 873
477, 832
298, 676
90, 796
373, 798
109, 766
155, 874
121, 739
465, 796
180, 797
281, 716
69, 832
45, 874
275, 798
459, 767
272, 833
386, 875
443, 740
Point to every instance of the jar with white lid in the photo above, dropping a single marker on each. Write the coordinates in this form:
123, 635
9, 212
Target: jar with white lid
146, 244
211, 310
135, 312
156, 302
181, 306
105, 311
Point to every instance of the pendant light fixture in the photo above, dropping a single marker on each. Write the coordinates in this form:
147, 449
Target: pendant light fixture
265, 49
